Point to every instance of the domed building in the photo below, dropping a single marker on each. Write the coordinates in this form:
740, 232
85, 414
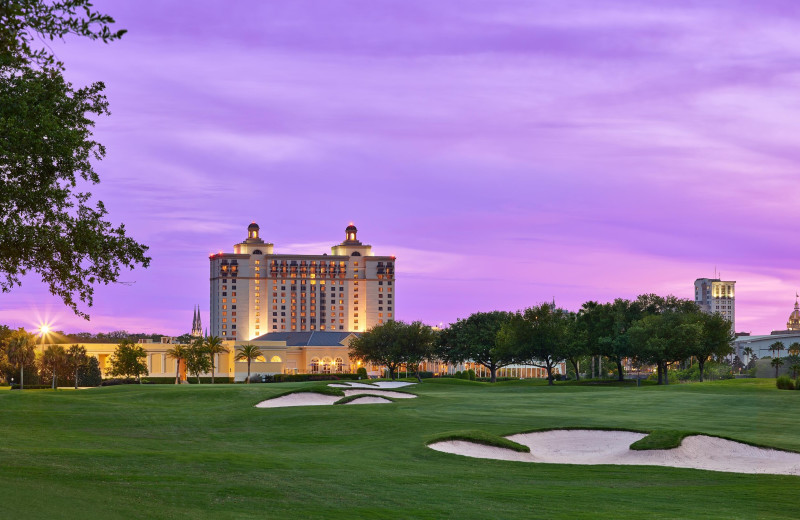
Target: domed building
794, 317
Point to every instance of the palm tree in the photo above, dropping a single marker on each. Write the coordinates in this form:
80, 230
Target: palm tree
214, 346
178, 353
777, 363
53, 358
20, 351
776, 348
76, 358
748, 351
249, 353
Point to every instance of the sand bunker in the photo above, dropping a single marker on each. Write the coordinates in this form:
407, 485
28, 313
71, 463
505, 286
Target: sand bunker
315, 399
613, 447
387, 393
367, 399
376, 384
299, 399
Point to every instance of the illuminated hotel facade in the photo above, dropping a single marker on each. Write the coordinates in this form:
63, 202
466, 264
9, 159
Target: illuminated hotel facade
713, 295
255, 291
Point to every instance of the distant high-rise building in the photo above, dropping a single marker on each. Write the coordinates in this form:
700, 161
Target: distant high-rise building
255, 291
716, 295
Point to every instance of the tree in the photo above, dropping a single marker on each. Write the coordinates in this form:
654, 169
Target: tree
748, 351
213, 346
248, 353
537, 336
20, 351
51, 226
53, 359
794, 358
90, 374
661, 339
178, 353
475, 339
381, 345
197, 359
715, 339
75, 359
777, 363
128, 360
23, 21
418, 344
577, 343
776, 348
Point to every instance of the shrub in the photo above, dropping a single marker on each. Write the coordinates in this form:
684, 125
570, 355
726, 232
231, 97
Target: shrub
471, 374
362, 373
15, 386
784, 383
458, 375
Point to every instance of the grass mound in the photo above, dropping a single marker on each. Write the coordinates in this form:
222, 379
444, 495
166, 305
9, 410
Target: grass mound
479, 437
452, 381
349, 398
660, 440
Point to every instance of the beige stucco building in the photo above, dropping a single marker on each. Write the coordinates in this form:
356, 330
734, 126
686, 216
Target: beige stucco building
283, 353
255, 291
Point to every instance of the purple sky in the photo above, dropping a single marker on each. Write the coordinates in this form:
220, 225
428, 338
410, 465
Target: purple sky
507, 152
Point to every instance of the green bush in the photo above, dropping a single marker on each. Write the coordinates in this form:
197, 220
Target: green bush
785, 383
362, 373
458, 375
471, 374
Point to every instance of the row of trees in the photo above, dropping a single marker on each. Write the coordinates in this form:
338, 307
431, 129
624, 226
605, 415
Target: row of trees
54, 364
792, 360
650, 330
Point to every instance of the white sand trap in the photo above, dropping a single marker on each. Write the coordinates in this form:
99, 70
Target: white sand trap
299, 399
367, 399
387, 393
392, 384
376, 384
352, 385
613, 447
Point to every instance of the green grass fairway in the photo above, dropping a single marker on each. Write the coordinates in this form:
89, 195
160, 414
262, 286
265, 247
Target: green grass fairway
192, 451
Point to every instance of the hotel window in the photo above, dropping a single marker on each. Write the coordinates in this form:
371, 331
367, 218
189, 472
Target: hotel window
224, 326
257, 307
233, 300
233, 314
380, 314
225, 313
390, 314
224, 320
224, 306
224, 333
224, 300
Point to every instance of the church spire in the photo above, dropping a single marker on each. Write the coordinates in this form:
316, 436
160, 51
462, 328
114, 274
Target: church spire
197, 327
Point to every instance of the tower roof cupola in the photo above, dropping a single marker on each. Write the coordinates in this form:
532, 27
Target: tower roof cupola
350, 236
252, 234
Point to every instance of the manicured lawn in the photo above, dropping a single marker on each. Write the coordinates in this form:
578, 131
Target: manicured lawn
190, 451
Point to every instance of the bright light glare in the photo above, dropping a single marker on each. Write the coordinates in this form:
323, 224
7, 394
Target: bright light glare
44, 329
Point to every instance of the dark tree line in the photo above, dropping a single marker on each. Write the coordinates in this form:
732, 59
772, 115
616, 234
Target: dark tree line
650, 330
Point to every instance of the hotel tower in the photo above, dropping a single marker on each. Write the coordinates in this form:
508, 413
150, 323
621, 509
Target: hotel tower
255, 291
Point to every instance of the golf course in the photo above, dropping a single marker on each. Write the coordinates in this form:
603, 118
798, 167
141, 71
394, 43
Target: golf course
207, 451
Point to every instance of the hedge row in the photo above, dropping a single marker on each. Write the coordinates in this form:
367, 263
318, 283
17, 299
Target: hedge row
15, 386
